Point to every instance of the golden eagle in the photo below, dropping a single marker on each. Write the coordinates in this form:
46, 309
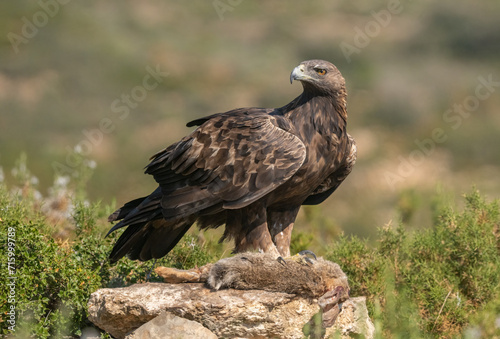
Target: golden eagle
249, 168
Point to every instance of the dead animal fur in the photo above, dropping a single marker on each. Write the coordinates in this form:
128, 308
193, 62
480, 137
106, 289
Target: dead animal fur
318, 279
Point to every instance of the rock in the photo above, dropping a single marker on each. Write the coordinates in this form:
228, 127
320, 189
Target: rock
227, 313
90, 333
175, 276
167, 325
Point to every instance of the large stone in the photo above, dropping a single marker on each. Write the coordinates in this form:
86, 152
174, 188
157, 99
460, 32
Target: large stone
227, 313
167, 325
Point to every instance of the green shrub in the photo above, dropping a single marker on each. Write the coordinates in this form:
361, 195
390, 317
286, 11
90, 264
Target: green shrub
431, 282
52, 288
56, 277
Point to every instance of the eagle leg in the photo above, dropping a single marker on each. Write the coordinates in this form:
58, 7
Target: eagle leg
260, 239
280, 226
253, 219
282, 240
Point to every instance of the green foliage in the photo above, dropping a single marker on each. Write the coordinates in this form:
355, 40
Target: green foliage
300, 241
313, 229
434, 281
188, 254
408, 204
55, 278
52, 284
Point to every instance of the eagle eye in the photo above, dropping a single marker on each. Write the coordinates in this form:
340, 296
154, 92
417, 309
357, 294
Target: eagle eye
320, 71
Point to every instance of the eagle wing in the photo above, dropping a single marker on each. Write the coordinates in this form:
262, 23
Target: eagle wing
332, 182
230, 161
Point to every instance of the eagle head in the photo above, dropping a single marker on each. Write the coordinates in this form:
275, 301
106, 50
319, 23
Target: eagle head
318, 75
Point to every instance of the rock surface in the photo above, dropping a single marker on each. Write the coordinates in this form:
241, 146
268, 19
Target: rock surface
167, 325
227, 313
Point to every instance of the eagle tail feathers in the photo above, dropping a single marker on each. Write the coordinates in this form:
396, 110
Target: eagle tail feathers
148, 235
149, 240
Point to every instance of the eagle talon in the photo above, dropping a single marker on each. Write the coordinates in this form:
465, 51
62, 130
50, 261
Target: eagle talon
307, 252
281, 260
309, 261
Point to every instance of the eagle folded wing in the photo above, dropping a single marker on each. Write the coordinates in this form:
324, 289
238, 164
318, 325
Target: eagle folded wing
332, 182
230, 161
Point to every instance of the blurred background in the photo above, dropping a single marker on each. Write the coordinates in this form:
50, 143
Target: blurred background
107, 84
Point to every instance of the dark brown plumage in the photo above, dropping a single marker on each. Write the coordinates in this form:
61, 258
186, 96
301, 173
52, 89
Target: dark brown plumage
250, 169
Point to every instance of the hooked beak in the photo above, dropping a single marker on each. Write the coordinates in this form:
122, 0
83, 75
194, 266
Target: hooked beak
298, 73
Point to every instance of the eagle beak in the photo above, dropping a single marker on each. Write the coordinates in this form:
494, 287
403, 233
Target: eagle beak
299, 74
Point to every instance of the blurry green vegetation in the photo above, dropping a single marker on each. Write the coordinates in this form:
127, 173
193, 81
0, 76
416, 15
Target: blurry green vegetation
433, 282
